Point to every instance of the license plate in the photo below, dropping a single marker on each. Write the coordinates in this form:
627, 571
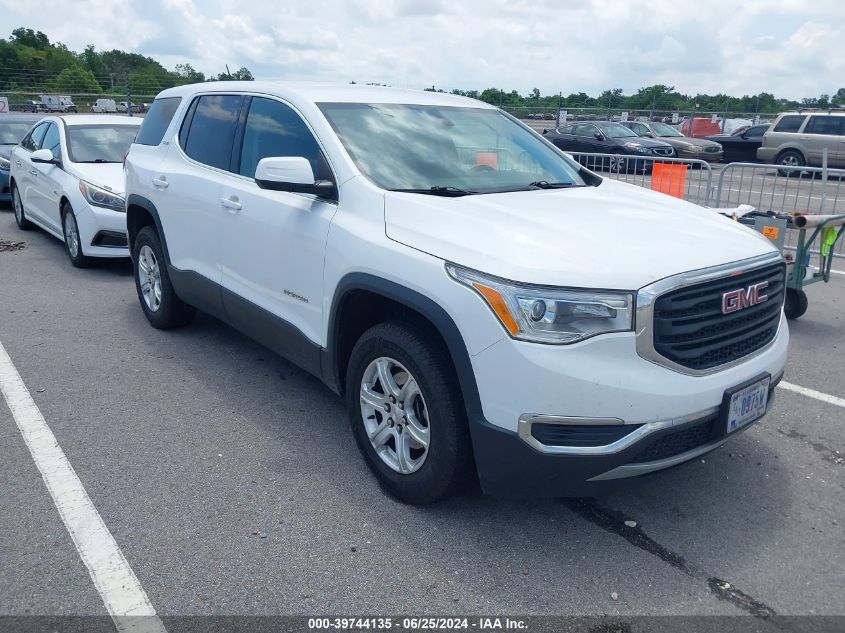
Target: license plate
747, 404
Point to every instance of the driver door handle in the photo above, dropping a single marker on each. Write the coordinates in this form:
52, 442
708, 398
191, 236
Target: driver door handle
18, 163
231, 203
161, 182
33, 172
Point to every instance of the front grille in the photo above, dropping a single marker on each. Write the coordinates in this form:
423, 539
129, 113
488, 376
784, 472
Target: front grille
663, 151
691, 330
679, 441
580, 434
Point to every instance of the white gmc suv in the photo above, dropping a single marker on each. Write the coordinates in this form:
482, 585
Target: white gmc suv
479, 299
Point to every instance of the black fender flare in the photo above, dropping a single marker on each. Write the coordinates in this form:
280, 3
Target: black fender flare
134, 200
419, 303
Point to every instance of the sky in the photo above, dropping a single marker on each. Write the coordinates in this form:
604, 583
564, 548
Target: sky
792, 48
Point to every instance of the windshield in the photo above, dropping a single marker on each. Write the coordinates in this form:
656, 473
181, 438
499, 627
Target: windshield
616, 130
420, 147
99, 143
12, 133
661, 129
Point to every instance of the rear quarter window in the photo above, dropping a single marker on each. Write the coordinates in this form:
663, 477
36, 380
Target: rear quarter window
790, 123
157, 119
825, 125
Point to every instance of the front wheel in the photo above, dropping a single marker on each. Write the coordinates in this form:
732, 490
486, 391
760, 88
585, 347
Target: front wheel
20, 214
162, 307
791, 158
407, 412
795, 304
73, 243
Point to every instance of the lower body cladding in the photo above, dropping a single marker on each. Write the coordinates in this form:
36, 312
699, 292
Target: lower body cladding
584, 419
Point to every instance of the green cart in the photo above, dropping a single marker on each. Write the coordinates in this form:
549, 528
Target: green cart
824, 233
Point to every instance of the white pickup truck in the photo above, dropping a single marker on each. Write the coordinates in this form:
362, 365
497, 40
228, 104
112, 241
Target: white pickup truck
479, 299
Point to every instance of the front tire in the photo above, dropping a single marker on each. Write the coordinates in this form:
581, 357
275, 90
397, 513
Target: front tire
20, 214
791, 158
162, 307
73, 242
407, 413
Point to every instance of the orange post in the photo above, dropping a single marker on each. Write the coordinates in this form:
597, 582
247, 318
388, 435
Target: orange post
669, 178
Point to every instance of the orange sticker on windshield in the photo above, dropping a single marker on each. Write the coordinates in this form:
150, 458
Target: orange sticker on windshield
771, 232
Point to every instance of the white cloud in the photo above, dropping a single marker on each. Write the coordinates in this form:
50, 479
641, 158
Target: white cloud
788, 47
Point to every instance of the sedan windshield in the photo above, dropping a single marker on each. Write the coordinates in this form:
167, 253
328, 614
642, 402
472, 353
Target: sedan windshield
99, 143
663, 130
444, 150
616, 130
12, 133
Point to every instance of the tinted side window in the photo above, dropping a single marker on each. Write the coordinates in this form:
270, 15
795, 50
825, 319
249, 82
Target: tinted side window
157, 119
33, 140
790, 123
51, 141
824, 125
585, 130
274, 129
639, 128
756, 131
212, 130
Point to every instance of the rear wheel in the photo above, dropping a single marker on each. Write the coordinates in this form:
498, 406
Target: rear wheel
407, 413
20, 214
162, 307
795, 304
791, 158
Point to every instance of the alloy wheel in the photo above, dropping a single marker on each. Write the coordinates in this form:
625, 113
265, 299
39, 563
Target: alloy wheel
16, 202
395, 415
71, 235
149, 278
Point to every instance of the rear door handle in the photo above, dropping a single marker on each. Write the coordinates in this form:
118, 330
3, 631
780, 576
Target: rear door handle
231, 203
161, 183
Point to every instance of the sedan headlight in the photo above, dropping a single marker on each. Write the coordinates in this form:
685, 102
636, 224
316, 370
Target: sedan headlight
101, 198
640, 149
5, 163
550, 315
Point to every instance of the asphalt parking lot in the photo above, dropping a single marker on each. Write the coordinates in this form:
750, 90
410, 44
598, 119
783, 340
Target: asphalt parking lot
232, 485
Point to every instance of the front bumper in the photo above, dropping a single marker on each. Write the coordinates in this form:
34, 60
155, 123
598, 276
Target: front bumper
711, 157
102, 231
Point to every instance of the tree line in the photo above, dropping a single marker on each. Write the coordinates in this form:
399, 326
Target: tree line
30, 62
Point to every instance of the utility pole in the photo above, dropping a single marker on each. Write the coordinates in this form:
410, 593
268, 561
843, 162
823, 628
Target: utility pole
609, 98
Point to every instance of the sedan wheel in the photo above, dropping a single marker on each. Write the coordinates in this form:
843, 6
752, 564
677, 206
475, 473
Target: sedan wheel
20, 216
73, 243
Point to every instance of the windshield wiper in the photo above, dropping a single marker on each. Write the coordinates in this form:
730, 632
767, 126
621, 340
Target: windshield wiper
543, 184
98, 160
439, 190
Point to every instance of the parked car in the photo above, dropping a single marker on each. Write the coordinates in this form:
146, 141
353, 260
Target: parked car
605, 137
123, 106
58, 103
741, 145
104, 105
797, 139
699, 127
31, 105
442, 267
13, 127
67, 178
685, 147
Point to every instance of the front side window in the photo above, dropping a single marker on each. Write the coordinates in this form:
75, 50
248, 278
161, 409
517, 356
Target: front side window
615, 130
99, 143
52, 141
639, 128
662, 130
585, 130
212, 128
274, 129
157, 120
790, 123
428, 148
825, 125
33, 140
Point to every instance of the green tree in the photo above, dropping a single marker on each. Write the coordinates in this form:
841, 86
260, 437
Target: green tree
28, 37
186, 74
75, 80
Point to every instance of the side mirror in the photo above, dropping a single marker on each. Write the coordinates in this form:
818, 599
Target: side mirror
648, 135
292, 174
43, 156
599, 136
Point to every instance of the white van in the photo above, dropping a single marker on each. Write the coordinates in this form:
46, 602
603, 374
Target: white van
58, 103
104, 105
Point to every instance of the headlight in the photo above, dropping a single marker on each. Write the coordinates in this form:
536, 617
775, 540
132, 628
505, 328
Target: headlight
5, 163
550, 315
101, 198
641, 149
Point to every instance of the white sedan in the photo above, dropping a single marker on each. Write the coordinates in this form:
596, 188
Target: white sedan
67, 178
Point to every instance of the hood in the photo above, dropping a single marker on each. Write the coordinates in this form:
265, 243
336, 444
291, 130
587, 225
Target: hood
613, 236
108, 176
685, 142
645, 141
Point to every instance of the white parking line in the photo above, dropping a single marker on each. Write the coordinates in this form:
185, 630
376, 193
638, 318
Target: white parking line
114, 579
812, 393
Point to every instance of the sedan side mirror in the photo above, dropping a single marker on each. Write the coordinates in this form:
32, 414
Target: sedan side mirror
599, 136
648, 135
43, 156
292, 174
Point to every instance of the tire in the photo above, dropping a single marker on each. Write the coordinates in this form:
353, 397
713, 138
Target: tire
791, 158
163, 309
434, 412
619, 164
795, 304
73, 242
20, 213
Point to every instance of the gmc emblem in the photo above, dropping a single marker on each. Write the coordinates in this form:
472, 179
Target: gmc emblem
742, 298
